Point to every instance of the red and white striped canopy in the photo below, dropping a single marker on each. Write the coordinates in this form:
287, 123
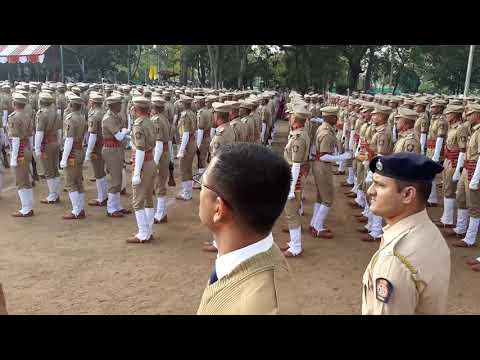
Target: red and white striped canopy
14, 54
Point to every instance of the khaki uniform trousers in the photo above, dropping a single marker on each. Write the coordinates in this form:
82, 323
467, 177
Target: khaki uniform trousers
114, 158
49, 159
473, 200
322, 174
204, 147
22, 171
461, 194
74, 179
98, 165
161, 175
291, 210
143, 192
187, 161
449, 187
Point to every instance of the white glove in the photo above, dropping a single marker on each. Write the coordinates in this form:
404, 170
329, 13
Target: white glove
15, 149
139, 157
170, 150
295, 174
212, 132
475, 178
357, 152
183, 145
423, 141
2, 137
369, 177
264, 128
345, 156
92, 139
199, 137
438, 149
460, 161
394, 133
158, 151
5, 118
66, 152
38, 143
120, 135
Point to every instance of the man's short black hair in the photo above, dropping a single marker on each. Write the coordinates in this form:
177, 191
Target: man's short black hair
256, 182
423, 189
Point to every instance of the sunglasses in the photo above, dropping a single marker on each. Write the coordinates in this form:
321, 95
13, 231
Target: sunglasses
197, 178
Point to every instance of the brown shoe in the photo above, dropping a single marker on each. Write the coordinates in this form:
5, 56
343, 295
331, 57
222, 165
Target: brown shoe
431, 205
135, 240
339, 173
362, 230
125, 211
369, 238
123, 192
93, 179
210, 248
46, 201
442, 225
116, 214
472, 261
475, 267
161, 221
346, 184
19, 214
449, 232
95, 202
324, 234
461, 243
351, 195
359, 215
70, 216
288, 254
362, 220
284, 247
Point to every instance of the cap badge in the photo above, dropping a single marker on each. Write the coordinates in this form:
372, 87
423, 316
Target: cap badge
379, 165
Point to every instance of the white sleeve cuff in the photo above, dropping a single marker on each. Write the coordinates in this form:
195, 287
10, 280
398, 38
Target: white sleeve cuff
158, 151
67, 148
38, 140
139, 157
92, 139
184, 143
199, 137
476, 174
295, 175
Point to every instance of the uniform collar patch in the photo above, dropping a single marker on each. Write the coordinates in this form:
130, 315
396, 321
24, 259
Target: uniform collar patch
383, 290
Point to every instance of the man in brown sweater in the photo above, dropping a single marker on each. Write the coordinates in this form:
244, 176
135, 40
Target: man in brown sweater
250, 275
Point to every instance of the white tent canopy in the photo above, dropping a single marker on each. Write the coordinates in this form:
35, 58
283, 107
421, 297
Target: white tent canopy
14, 54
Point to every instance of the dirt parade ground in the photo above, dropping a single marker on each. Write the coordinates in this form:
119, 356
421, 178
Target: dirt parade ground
53, 266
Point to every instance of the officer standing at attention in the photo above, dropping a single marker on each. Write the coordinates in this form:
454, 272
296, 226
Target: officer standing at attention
143, 177
94, 149
73, 157
403, 277
47, 146
20, 134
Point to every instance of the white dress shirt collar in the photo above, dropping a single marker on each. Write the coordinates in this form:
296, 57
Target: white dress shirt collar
226, 263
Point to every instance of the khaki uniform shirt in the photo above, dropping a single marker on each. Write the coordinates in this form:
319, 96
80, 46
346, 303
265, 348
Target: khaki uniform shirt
95, 118
46, 122
169, 111
325, 139
111, 124
249, 124
239, 129
403, 277
19, 125
75, 127
391, 118
204, 122
422, 124
407, 142
162, 128
265, 115
438, 128
34, 102
382, 143
258, 124
457, 137
187, 123
298, 147
143, 134
473, 149
223, 135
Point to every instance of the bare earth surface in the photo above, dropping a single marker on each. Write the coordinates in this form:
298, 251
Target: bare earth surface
52, 266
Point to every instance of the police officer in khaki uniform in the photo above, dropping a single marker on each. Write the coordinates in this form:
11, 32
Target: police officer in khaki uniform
247, 119
266, 118
187, 127
410, 272
73, 157
20, 133
422, 125
435, 140
322, 169
143, 176
113, 154
238, 127
161, 156
455, 147
94, 148
472, 178
223, 135
47, 146
204, 125
296, 154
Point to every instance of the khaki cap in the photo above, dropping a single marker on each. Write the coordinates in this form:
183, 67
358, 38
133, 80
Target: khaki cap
380, 109
438, 102
454, 109
199, 98
96, 97
45, 97
421, 101
113, 99
407, 113
233, 104
221, 107
246, 104
75, 99
329, 110
301, 111
19, 98
211, 98
141, 101
157, 100
473, 108
185, 99
367, 106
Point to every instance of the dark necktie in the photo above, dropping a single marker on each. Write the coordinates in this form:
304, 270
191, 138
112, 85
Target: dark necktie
213, 277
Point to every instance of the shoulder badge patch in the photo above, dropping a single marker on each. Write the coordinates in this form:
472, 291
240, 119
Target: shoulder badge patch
138, 135
384, 290
410, 147
295, 148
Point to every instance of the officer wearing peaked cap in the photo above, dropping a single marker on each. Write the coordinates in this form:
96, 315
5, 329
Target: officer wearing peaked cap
410, 272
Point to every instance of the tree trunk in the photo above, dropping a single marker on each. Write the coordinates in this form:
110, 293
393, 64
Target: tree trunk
220, 66
243, 64
368, 77
134, 72
355, 70
183, 67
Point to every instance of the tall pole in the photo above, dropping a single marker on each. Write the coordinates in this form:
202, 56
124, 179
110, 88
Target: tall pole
61, 63
128, 65
391, 66
469, 71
